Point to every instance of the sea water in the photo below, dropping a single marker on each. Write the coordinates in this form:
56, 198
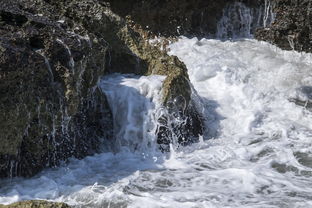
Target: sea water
256, 150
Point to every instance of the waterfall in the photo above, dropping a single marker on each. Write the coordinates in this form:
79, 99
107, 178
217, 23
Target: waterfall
136, 107
236, 21
141, 122
240, 21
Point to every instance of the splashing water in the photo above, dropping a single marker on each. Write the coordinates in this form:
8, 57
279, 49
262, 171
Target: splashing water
251, 94
262, 157
136, 107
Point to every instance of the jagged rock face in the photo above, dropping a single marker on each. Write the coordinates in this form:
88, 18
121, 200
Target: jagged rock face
36, 204
292, 28
50, 107
177, 17
52, 53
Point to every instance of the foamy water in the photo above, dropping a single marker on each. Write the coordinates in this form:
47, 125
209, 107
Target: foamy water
259, 149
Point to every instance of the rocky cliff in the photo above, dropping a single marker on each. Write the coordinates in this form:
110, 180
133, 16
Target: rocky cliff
292, 28
50, 107
173, 18
52, 53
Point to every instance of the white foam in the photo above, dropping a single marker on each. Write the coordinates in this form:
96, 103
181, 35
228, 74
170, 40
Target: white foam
261, 155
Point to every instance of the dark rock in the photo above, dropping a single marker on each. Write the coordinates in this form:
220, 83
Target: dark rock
182, 125
177, 17
292, 28
50, 107
52, 53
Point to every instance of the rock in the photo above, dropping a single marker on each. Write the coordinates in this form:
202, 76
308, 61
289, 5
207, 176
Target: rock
52, 53
176, 92
292, 28
177, 17
36, 204
50, 108
130, 52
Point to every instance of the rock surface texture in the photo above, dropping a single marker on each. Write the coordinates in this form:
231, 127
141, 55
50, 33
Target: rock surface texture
52, 54
172, 17
292, 28
36, 204
50, 107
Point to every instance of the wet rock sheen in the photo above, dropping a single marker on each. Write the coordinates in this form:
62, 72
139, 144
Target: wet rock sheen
52, 54
292, 28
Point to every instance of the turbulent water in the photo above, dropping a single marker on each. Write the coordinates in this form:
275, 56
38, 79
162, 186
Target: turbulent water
256, 151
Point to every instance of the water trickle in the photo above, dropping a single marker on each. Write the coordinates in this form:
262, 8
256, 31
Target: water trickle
240, 21
290, 39
236, 21
46, 60
71, 62
269, 15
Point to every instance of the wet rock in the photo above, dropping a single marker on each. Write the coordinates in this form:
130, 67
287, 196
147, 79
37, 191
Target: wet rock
50, 106
177, 17
306, 104
52, 53
36, 204
176, 92
292, 28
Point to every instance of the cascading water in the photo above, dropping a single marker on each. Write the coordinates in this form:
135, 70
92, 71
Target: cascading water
240, 21
136, 107
236, 21
268, 14
256, 152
